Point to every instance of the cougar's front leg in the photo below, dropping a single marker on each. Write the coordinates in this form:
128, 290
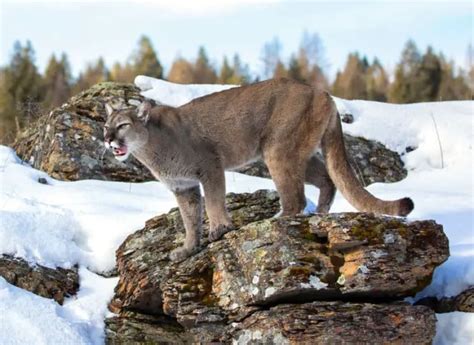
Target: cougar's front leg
189, 202
214, 196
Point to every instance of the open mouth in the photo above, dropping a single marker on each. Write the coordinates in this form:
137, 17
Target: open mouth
120, 151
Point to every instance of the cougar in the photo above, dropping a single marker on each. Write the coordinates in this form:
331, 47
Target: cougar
281, 121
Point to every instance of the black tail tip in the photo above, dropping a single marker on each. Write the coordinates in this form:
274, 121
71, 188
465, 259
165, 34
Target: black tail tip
406, 206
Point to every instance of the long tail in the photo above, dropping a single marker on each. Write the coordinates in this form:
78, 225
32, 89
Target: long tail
345, 180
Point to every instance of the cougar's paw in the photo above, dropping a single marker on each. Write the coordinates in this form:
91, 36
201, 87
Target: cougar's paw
219, 231
182, 253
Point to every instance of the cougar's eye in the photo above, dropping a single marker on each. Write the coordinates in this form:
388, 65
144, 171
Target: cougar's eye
122, 126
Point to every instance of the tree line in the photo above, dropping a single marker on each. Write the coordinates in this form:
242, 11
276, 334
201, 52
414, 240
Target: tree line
419, 76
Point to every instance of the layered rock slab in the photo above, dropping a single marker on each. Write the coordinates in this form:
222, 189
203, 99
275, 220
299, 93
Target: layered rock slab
349, 256
309, 323
336, 323
46, 282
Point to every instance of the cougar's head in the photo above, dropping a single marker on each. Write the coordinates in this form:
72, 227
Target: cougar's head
125, 129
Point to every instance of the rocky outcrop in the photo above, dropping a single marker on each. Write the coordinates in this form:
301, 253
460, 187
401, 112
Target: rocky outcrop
68, 143
296, 277
46, 282
463, 302
370, 160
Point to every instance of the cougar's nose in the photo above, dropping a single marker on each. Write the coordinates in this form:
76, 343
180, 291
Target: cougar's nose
107, 141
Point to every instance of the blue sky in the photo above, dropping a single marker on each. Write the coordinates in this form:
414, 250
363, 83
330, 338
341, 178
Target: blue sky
87, 29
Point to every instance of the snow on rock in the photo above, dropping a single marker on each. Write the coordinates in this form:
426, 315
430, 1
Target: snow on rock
399, 126
175, 94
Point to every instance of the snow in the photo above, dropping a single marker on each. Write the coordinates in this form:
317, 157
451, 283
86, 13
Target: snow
455, 328
61, 224
173, 94
26, 318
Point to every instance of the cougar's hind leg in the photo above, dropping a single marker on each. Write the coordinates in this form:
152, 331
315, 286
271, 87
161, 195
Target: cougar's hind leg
288, 177
317, 175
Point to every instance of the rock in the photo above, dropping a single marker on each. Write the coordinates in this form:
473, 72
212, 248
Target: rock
258, 168
371, 161
134, 328
336, 323
309, 323
349, 256
137, 289
68, 143
347, 118
42, 180
463, 302
46, 282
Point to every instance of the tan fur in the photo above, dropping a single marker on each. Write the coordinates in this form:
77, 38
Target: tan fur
280, 121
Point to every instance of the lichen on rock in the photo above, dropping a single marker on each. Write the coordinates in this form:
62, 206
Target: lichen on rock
46, 282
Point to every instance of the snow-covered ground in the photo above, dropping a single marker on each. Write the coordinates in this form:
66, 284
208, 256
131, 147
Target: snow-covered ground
67, 223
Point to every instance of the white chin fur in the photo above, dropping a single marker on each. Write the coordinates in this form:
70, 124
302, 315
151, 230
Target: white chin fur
122, 158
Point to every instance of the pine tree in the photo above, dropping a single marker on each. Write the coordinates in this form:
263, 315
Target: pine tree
226, 72
376, 82
294, 69
123, 74
312, 61
452, 86
351, 82
145, 60
21, 91
241, 73
8, 123
203, 71
470, 70
337, 86
402, 89
181, 72
57, 81
280, 71
271, 57
427, 78
95, 73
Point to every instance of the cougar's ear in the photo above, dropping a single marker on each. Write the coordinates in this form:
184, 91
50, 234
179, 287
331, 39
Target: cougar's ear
143, 110
109, 110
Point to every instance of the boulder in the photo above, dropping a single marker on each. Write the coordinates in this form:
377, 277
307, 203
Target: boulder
138, 288
68, 142
46, 282
359, 260
370, 160
308, 323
